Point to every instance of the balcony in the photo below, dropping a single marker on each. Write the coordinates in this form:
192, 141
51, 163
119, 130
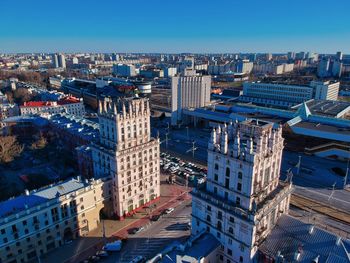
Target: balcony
223, 204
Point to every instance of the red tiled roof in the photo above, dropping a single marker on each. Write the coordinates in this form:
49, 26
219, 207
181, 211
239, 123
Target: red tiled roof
37, 103
68, 100
64, 101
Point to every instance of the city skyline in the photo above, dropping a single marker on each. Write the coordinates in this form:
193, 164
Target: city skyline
185, 27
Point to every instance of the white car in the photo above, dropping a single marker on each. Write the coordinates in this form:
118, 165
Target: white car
169, 210
138, 259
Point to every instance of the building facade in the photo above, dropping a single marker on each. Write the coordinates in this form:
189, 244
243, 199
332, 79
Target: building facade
190, 91
124, 70
289, 95
40, 221
127, 153
243, 197
69, 105
325, 90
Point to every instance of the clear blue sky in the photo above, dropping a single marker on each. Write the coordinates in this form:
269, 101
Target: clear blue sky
174, 25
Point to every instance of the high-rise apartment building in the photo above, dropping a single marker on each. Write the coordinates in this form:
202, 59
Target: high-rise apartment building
339, 55
59, 60
124, 70
188, 91
242, 198
329, 68
244, 66
127, 153
291, 55
62, 60
55, 61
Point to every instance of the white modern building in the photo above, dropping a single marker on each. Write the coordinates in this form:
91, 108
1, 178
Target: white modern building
288, 95
188, 91
127, 153
325, 90
242, 198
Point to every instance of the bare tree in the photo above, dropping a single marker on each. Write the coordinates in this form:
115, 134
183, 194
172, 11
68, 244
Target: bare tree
21, 95
9, 148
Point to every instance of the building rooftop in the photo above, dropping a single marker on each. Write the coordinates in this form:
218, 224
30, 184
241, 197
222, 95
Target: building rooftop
35, 198
62, 101
327, 107
293, 239
200, 248
83, 127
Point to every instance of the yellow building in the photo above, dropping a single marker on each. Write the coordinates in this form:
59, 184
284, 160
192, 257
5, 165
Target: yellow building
40, 221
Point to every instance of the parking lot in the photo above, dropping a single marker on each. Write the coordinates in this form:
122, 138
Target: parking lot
192, 174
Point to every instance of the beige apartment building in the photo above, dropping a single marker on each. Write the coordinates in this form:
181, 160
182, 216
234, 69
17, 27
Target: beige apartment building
127, 153
40, 221
243, 197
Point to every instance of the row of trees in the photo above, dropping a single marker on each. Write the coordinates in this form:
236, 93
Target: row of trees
9, 149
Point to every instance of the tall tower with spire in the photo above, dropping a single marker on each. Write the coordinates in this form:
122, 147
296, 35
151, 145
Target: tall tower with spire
243, 197
127, 153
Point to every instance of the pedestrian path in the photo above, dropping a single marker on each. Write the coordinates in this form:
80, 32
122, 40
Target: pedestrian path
150, 244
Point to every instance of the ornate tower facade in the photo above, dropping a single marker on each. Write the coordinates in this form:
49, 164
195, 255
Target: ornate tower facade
243, 197
127, 153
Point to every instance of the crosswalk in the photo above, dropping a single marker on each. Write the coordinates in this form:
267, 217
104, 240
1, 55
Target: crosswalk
148, 244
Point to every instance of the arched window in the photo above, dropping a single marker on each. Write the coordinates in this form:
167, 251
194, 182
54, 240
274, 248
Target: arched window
227, 172
208, 218
240, 175
219, 226
216, 167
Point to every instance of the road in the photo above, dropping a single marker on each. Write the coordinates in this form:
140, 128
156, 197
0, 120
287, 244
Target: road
170, 228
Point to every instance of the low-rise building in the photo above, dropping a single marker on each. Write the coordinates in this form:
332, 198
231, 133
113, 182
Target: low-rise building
70, 105
286, 95
42, 220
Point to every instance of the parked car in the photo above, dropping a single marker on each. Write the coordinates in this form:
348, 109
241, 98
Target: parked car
138, 259
155, 217
169, 210
113, 246
102, 254
136, 230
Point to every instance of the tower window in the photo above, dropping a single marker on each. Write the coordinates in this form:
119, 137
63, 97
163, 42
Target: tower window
238, 201
227, 172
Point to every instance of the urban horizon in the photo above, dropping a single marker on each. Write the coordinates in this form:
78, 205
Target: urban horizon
163, 132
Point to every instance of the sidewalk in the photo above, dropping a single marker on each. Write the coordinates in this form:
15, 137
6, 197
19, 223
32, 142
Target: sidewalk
83, 247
